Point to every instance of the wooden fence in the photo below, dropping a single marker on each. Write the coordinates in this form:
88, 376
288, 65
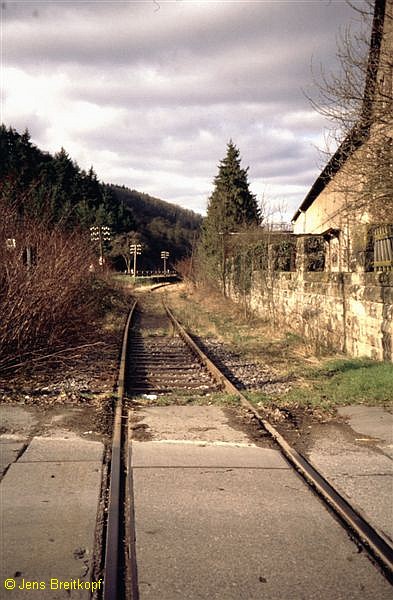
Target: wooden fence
383, 248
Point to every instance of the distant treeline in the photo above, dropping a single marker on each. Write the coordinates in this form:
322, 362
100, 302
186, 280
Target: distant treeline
56, 191
159, 225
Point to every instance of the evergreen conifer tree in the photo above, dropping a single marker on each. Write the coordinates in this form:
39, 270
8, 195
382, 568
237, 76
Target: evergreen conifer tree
231, 208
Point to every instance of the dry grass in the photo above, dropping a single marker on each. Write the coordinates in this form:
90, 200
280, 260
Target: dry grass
317, 382
206, 313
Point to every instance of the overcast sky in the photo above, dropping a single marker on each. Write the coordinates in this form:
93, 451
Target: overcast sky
149, 93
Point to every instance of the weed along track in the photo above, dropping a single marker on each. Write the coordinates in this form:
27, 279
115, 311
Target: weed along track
200, 507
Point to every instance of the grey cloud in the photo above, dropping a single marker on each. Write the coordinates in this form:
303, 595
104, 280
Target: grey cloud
180, 82
186, 151
36, 124
177, 138
185, 88
117, 33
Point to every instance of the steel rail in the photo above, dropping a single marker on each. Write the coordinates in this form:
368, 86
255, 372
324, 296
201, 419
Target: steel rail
376, 544
112, 544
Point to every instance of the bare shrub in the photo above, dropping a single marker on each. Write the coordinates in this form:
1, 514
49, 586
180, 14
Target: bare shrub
45, 285
184, 268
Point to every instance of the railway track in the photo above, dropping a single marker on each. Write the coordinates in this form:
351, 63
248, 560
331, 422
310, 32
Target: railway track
162, 364
160, 357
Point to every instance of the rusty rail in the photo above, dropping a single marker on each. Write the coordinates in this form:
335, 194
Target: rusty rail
377, 545
114, 523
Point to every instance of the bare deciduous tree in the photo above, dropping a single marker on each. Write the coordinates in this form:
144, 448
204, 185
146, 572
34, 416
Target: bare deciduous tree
358, 100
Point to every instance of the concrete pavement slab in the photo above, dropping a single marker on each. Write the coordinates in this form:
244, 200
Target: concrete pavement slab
355, 462
240, 533
203, 454
61, 449
365, 481
9, 451
48, 519
373, 421
208, 423
10, 438
362, 473
17, 418
373, 494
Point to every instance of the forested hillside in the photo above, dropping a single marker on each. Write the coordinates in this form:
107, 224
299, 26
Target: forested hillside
158, 225
56, 191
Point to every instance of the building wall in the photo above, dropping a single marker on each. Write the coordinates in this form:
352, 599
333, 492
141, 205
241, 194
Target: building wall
344, 308
350, 312
336, 201
347, 201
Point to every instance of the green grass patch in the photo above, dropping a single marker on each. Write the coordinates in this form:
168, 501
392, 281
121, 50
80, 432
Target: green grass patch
125, 279
362, 381
184, 398
293, 338
316, 381
339, 382
122, 278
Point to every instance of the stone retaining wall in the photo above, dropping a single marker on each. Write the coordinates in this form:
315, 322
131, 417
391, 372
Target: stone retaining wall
351, 312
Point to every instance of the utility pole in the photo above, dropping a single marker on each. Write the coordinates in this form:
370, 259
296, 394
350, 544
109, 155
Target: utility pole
164, 256
135, 249
100, 234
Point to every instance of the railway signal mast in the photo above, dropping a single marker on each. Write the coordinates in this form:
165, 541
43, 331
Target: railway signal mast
164, 256
100, 234
135, 249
